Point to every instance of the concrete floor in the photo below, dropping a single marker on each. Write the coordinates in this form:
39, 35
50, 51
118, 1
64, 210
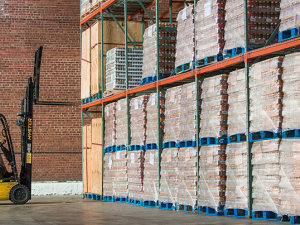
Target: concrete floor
75, 210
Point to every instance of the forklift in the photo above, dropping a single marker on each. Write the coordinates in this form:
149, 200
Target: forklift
14, 188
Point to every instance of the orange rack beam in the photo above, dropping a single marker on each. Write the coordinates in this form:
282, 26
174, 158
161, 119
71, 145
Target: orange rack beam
206, 69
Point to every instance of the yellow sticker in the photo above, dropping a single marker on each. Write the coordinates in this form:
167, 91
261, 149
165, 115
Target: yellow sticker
28, 158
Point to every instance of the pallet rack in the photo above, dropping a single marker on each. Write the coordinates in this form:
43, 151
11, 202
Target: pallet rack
245, 60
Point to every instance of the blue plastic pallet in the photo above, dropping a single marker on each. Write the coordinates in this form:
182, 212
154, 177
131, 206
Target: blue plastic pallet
135, 201
289, 219
288, 34
213, 141
263, 135
234, 212
209, 59
186, 144
136, 147
88, 196
211, 211
96, 197
107, 198
110, 149
228, 53
152, 146
264, 215
150, 203
184, 67
86, 100
236, 138
97, 96
291, 134
151, 79
121, 199
170, 144
185, 208
167, 206
121, 148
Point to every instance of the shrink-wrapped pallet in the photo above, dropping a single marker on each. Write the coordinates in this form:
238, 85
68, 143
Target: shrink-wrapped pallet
121, 121
187, 176
120, 184
212, 177
236, 173
138, 120
289, 14
85, 8
152, 124
135, 174
210, 23
110, 125
167, 49
185, 36
109, 174
116, 70
291, 92
150, 191
172, 114
266, 95
187, 113
169, 176
214, 107
289, 188
237, 102
266, 167
263, 18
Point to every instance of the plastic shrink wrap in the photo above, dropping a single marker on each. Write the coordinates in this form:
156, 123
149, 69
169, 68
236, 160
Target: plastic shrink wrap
121, 120
167, 49
185, 36
151, 176
110, 124
214, 107
109, 173
266, 167
266, 95
289, 15
138, 120
210, 23
237, 102
212, 177
116, 69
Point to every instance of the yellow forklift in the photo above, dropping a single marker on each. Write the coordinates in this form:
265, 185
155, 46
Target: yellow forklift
12, 187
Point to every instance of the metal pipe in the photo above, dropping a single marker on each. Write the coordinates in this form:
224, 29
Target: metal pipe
143, 26
170, 11
103, 107
249, 154
187, 4
146, 11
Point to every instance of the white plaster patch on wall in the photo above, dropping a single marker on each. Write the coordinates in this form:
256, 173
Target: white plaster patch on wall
57, 188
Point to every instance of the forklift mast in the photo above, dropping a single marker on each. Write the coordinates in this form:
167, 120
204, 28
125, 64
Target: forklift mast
25, 121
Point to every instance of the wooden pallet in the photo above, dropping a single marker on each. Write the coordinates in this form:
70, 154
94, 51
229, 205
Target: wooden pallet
111, 92
94, 7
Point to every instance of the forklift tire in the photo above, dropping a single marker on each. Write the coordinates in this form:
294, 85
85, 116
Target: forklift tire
19, 194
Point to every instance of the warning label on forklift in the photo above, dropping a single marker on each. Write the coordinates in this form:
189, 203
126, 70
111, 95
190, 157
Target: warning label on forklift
28, 158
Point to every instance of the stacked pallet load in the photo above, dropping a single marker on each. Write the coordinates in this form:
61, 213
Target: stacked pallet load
85, 8
185, 40
214, 108
110, 127
289, 190
291, 93
212, 179
265, 186
187, 115
290, 19
109, 176
121, 124
172, 117
168, 197
150, 190
135, 176
213, 130
115, 78
187, 179
266, 98
210, 23
263, 17
236, 182
167, 50
86, 66
120, 183
95, 5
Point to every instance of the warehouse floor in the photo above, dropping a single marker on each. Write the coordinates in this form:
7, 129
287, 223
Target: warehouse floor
75, 210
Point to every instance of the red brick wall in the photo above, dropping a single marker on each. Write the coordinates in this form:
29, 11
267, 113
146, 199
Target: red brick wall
25, 25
